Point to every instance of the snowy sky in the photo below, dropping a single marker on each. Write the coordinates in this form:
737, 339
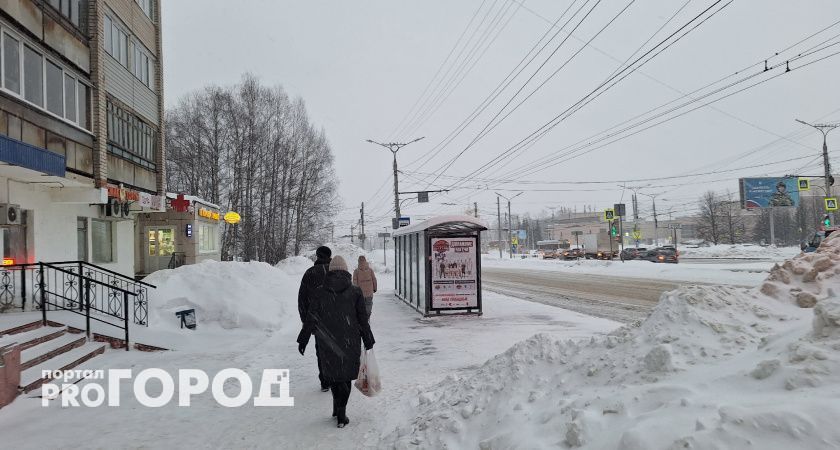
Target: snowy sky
361, 66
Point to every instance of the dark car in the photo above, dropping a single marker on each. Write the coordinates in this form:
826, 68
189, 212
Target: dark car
572, 253
633, 253
663, 255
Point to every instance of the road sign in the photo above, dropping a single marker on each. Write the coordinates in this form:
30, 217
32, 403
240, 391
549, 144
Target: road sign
804, 184
405, 221
577, 233
423, 197
384, 235
609, 214
620, 209
675, 226
637, 234
831, 204
514, 240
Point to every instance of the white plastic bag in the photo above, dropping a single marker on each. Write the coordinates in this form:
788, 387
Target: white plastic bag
368, 381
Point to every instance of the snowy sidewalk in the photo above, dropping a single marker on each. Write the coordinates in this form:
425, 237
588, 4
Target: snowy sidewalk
413, 353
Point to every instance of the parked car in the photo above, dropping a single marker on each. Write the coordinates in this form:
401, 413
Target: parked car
572, 253
631, 253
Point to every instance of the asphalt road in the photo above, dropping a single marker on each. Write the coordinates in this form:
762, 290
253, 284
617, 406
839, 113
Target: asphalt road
616, 298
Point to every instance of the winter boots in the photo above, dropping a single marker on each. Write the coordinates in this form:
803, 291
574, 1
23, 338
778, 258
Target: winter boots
341, 418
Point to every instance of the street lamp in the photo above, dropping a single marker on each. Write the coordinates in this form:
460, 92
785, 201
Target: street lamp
510, 237
825, 128
394, 147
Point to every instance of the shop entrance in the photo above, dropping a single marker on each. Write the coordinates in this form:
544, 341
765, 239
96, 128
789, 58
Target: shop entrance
13, 244
160, 244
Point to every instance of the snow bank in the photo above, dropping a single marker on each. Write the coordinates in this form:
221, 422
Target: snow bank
739, 251
808, 277
232, 294
712, 367
351, 253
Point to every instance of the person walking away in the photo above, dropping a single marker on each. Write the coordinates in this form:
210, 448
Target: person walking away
365, 279
312, 279
338, 319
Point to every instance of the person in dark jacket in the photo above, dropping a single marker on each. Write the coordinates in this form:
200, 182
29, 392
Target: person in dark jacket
338, 318
312, 280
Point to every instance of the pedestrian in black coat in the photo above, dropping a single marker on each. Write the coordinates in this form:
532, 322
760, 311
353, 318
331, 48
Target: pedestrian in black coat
338, 318
313, 278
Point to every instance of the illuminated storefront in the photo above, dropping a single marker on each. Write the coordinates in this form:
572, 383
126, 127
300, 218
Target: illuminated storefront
188, 232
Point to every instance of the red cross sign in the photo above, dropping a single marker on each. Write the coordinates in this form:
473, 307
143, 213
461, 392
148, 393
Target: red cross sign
180, 204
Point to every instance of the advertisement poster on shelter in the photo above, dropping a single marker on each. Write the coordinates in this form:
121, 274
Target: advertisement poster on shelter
454, 273
769, 192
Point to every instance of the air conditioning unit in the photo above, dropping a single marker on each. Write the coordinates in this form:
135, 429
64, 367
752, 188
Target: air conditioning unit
10, 214
126, 209
113, 208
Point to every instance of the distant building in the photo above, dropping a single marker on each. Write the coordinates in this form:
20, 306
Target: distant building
81, 120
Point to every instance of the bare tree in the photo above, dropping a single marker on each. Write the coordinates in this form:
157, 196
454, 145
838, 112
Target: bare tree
251, 149
731, 219
709, 220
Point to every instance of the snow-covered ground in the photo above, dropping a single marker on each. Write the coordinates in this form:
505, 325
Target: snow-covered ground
739, 251
712, 367
247, 318
741, 273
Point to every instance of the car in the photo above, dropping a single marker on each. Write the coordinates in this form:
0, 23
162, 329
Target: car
535, 254
631, 253
663, 255
572, 253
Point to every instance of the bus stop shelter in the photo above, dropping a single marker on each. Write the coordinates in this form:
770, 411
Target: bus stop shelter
438, 265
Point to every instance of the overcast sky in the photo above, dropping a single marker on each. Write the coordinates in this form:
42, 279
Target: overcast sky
361, 66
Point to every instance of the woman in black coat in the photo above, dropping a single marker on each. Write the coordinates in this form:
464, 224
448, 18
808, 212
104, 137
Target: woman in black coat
338, 317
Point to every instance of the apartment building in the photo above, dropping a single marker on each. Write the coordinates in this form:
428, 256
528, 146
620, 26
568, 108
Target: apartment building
81, 120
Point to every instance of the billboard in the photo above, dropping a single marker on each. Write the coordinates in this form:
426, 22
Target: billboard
769, 192
454, 273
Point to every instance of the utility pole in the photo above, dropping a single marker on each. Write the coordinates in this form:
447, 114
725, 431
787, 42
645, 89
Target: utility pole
352, 230
394, 147
825, 128
362, 222
384, 246
510, 230
499, 216
655, 219
475, 209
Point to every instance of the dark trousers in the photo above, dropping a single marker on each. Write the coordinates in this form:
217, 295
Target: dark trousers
324, 383
340, 393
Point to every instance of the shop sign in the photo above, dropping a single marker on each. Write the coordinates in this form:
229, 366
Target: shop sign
232, 217
123, 194
208, 214
145, 200
157, 202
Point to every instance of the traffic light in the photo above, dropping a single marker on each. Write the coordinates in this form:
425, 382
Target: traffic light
613, 230
827, 220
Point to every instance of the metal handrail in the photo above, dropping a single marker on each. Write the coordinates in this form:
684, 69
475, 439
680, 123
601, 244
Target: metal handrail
85, 263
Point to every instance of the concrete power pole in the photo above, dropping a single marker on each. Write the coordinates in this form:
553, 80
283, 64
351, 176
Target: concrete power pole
499, 217
825, 128
475, 209
394, 147
362, 223
510, 237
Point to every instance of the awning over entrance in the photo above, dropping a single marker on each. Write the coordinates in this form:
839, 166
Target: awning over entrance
27, 156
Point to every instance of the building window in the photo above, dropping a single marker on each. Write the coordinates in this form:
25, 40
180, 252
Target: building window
70, 97
33, 76
66, 95
73, 10
11, 56
142, 65
116, 41
130, 137
208, 241
146, 6
55, 89
102, 238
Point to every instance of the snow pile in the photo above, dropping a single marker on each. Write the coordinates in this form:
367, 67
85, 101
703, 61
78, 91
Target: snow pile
739, 251
351, 253
808, 277
232, 294
712, 367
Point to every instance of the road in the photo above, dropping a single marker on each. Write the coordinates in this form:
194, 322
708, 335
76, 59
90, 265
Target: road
616, 298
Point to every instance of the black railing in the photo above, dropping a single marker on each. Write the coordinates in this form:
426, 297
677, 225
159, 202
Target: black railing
74, 286
177, 260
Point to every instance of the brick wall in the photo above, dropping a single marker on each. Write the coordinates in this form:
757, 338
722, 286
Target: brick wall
9, 373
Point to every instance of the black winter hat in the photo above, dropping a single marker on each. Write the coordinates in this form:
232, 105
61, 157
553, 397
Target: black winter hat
323, 252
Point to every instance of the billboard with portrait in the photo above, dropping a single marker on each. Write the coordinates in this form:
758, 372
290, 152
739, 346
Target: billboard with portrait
769, 192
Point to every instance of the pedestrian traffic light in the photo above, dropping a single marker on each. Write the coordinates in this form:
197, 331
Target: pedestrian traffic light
827, 220
613, 230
